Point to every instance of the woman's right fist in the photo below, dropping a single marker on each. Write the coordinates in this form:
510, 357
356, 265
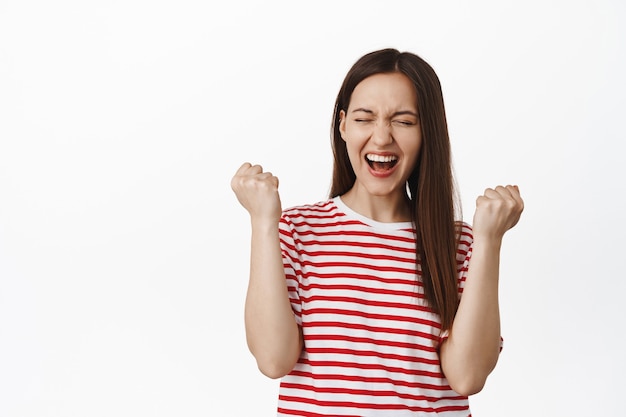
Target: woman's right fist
257, 191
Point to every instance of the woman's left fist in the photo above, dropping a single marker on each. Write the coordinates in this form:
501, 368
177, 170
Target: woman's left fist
497, 210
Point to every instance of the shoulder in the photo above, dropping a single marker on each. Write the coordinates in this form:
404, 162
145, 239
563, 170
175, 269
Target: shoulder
298, 221
310, 212
321, 218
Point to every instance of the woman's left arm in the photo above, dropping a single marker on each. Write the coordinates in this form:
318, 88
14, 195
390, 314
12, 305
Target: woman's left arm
471, 350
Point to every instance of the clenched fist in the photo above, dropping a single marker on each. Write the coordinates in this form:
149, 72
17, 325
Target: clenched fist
497, 210
257, 191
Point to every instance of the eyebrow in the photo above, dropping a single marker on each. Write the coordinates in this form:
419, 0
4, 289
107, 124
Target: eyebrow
398, 113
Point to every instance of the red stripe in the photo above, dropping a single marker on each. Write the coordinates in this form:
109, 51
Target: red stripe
372, 380
377, 342
356, 326
364, 233
358, 288
307, 413
334, 223
375, 367
323, 214
358, 265
327, 205
374, 354
407, 249
369, 405
365, 277
358, 255
373, 303
373, 316
339, 390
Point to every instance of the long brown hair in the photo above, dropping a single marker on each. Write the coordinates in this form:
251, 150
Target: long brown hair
432, 191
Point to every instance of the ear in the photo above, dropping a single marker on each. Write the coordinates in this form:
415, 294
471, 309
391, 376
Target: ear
342, 124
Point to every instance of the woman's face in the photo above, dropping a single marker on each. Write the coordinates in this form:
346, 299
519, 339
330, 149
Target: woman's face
382, 133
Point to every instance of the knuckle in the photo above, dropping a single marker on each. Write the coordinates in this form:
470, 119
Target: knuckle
235, 182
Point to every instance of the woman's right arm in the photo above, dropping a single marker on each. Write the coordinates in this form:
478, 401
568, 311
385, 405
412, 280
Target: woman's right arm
273, 335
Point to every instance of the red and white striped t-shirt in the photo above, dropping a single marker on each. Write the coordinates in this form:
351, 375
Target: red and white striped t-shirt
370, 341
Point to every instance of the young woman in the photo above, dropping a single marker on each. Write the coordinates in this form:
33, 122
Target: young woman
377, 301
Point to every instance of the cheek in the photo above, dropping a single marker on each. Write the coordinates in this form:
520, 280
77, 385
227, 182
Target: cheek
358, 132
413, 153
355, 140
353, 153
412, 163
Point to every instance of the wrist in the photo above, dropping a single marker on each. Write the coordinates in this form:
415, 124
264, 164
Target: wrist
264, 224
487, 241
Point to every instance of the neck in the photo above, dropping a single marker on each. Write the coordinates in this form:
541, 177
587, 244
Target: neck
385, 209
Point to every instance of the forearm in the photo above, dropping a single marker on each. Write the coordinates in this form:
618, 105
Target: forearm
471, 351
272, 332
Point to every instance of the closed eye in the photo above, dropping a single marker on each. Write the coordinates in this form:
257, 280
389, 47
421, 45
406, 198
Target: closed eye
404, 122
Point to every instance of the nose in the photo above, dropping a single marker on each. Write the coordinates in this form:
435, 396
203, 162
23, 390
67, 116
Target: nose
381, 135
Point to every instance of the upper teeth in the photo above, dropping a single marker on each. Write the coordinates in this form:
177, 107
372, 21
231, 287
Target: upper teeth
380, 158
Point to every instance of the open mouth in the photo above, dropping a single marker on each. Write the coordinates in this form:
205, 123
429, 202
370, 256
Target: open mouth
381, 163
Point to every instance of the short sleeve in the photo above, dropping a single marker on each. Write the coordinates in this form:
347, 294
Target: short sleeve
463, 255
291, 264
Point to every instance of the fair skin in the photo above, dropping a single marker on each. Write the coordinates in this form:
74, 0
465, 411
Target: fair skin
273, 336
381, 123
383, 137
472, 349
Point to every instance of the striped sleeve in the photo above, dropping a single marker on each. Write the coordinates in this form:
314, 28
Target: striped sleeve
464, 254
291, 264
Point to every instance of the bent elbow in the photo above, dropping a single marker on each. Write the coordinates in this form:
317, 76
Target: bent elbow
275, 360
468, 386
273, 370
468, 375
275, 365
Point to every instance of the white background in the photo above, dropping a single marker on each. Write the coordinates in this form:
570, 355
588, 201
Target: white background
123, 251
